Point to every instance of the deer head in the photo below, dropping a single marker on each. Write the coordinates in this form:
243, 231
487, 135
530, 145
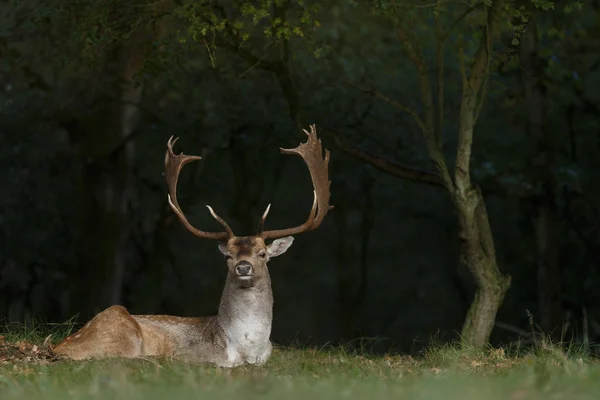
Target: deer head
247, 256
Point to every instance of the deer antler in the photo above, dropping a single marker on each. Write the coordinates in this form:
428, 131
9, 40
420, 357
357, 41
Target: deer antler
312, 154
173, 165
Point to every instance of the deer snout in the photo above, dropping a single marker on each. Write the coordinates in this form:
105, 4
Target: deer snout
243, 269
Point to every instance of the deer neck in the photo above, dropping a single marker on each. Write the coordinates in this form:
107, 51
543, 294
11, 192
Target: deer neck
246, 310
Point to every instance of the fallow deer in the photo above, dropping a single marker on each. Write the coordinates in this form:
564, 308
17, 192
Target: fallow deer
240, 332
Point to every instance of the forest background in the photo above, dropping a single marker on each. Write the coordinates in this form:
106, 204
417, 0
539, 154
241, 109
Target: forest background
464, 139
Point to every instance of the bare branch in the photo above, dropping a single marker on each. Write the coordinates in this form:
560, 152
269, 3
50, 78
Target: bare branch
390, 167
457, 21
488, 44
434, 151
279, 67
33, 79
253, 60
429, 132
414, 52
512, 328
440, 73
461, 60
471, 90
393, 103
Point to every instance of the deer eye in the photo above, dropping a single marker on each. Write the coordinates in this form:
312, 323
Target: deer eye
262, 254
228, 257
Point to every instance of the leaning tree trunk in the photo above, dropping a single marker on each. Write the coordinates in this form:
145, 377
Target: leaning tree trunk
478, 254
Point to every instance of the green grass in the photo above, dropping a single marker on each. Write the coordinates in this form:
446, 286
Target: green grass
441, 373
36, 331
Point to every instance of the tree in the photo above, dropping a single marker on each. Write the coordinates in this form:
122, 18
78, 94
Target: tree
477, 244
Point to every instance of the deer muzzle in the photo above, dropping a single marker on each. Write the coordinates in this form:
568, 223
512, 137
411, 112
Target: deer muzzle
243, 270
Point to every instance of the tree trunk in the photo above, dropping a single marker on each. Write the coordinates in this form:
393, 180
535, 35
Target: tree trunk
545, 217
548, 273
155, 258
478, 254
107, 152
345, 276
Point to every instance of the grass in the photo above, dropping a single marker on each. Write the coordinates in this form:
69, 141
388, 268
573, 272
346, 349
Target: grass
442, 372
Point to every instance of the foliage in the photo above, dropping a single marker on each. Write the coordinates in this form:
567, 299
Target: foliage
277, 19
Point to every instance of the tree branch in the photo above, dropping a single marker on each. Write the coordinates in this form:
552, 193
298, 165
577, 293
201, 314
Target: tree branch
378, 95
282, 70
457, 21
435, 153
33, 79
440, 73
414, 52
432, 142
278, 67
471, 89
486, 74
390, 167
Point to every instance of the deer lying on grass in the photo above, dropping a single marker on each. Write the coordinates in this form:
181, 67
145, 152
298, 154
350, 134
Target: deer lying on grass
240, 332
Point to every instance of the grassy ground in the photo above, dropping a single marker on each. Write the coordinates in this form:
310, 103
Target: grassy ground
27, 371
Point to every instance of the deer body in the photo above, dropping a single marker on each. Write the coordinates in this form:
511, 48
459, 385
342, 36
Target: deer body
240, 332
248, 328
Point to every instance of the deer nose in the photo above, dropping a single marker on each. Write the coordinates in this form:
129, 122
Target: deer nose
243, 268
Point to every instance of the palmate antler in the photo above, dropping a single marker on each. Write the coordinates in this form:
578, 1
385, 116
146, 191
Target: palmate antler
312, 154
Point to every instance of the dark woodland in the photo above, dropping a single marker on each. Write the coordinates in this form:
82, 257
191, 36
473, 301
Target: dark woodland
465, 153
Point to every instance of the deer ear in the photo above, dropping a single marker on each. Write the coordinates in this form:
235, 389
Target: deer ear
223, 248
279, 246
